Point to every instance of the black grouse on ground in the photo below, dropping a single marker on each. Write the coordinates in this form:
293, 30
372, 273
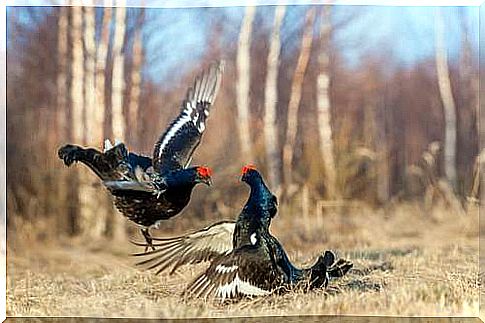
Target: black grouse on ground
246, 260
149, 190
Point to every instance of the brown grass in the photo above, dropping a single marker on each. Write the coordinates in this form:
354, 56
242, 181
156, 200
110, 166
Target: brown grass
406, 263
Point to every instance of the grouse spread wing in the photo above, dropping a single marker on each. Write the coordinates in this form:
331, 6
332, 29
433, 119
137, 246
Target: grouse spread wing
176, 146
109, 165
246, 271
200, 246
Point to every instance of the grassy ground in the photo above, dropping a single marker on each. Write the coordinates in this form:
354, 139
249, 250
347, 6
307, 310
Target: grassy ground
405, 263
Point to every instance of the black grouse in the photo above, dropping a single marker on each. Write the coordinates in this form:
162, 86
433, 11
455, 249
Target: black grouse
149, 190
246, 260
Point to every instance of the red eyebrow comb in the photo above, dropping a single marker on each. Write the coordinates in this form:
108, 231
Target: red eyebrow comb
247, 168
204, 171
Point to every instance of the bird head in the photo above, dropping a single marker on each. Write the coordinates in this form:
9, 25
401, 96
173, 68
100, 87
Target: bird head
203, 175
260, 194
249, 174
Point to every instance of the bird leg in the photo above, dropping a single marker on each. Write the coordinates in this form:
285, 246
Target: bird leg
148, 239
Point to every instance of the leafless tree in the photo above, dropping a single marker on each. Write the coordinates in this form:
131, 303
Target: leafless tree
118, 85
77, 66
295, 96
243, 83
79, 186
101, 59
135, 76
449, 108
61, 113
271, 98
89, 75
323, 104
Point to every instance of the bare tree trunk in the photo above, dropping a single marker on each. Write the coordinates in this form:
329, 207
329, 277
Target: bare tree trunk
134, 98
89, 75
77, 114
447, 99
295, 96
93, 216
62, 50
271, 96
62, 133
469, 113
323, 106
101, 58
108, 212
77, 98
118, 85
473, 195
243, 80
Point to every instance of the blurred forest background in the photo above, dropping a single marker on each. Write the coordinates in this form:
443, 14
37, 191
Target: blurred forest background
339, 106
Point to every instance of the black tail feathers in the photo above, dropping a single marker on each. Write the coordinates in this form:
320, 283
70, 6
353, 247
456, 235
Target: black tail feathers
338, 268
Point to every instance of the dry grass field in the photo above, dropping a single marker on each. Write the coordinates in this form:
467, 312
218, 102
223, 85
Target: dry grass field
406, 263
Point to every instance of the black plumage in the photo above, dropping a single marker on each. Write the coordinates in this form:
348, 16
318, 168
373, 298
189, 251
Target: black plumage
245, 258
148, 190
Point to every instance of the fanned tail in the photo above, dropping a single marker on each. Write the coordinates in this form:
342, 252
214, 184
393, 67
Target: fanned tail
339, 268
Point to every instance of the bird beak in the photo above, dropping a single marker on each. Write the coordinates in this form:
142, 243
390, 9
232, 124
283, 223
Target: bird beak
207, 181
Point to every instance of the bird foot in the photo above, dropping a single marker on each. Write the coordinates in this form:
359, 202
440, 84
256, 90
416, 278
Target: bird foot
148, 239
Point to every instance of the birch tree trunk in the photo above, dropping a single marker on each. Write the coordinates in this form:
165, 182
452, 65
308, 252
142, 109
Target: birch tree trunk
77, 114
271, 97
469, 113
118, 83
62, 51
62, 133
323, 106
101, 63
449, 109
243, 83
135, 77
77, 74
118, 86
92, 129
101, 58
295, 97
94, 217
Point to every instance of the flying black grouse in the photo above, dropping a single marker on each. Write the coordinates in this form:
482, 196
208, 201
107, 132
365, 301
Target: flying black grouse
147, 190
246, 260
